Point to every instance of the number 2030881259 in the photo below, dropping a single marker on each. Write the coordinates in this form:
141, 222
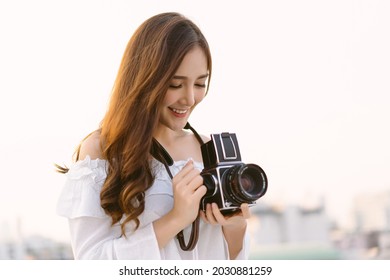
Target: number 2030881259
234, 270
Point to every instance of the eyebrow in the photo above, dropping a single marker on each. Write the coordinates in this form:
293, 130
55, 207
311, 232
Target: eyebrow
185, 78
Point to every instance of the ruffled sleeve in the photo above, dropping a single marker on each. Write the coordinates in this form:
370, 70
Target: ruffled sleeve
80, 196
92, 234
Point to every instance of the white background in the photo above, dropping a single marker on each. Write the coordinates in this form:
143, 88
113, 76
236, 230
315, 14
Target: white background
304, 84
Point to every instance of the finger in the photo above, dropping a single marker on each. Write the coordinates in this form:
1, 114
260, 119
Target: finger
195, 183
245, 210
184, 171
217, 214
210, 215
190, 176
203, 216
199, 193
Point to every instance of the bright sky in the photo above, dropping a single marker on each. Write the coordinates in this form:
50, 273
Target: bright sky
303, 84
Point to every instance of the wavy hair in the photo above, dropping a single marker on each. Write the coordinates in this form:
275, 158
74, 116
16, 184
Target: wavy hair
151, 58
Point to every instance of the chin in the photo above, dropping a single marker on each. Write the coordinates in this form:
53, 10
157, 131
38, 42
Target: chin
179, 127
174, 126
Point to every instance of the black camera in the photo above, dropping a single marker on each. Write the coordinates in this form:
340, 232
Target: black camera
229, 181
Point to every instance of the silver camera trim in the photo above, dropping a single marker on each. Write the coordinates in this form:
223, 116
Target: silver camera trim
215, 181
223, 148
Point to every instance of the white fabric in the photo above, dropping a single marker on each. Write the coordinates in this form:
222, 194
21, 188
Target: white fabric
93, 236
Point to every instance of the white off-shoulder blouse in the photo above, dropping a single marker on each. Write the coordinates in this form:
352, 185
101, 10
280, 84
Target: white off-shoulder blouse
94, 237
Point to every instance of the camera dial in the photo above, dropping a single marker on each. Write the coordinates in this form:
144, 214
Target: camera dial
211, 184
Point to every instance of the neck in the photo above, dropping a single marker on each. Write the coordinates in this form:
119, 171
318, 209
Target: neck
166, 135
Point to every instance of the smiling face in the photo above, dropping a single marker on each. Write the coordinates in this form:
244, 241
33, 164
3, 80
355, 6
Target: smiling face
186, 89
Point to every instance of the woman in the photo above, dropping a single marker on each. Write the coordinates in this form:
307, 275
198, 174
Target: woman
119, 198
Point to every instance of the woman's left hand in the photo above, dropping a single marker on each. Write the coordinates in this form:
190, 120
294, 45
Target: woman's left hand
233, 226
214, 216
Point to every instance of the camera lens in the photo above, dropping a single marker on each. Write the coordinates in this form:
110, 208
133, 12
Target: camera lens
251, 180
246, 183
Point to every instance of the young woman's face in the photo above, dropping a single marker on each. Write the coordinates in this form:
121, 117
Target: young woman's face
186, 89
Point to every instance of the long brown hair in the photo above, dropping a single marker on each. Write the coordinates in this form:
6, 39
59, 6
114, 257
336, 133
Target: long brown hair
150, 60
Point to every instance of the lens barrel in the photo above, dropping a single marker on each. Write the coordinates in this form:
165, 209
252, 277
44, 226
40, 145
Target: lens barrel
245, 183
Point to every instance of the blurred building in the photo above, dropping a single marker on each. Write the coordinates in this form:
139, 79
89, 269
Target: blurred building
35, 248
372, 212
14, 246
291, 232
371, 236
291, 224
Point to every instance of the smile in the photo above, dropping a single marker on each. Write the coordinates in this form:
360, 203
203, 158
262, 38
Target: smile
178, 111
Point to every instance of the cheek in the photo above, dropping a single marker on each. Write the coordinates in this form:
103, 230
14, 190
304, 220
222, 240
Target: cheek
169, 98
199, 97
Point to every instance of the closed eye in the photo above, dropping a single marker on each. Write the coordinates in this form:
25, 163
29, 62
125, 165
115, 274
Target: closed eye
176, 86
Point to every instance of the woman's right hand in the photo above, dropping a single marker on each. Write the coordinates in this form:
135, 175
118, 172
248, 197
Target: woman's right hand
188, 189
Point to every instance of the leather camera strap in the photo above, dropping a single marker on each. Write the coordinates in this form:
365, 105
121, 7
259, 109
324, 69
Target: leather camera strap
159, 153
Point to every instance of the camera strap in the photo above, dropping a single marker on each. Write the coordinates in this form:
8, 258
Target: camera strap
159, 153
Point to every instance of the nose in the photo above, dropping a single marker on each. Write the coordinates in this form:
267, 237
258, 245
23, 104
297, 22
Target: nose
189, 97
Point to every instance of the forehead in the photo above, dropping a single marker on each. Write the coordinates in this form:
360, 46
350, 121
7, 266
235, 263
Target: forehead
194, 63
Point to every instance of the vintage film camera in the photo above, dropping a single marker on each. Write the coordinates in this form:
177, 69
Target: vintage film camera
229, 181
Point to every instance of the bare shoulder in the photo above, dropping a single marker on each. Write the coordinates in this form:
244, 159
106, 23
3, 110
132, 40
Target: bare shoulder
91, 147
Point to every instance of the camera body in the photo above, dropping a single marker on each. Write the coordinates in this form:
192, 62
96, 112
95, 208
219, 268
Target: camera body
228, 180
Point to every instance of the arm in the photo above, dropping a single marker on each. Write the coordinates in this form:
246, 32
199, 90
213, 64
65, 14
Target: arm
95, 238
92, 234
233, 228
234, 236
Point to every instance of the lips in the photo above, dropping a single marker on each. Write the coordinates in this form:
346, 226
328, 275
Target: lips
178, 111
